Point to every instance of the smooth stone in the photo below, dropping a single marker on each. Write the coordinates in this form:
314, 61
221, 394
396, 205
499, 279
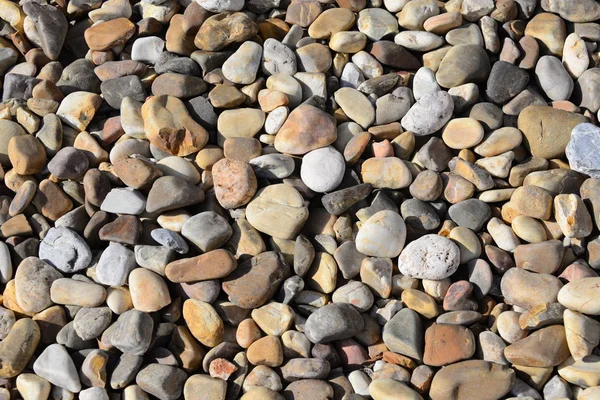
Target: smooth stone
546, 347
321, 179
273, 166
386, 173
505, 82
32, 284
114, 265
349, 323
356, 106
278, 58
429, 114
147, 49
471, 213
403, 334
170, 193
465, 380
51, 26
17, 348
382, 235
553, 78
163, 381
389, 389
430, 257
89, 323
578, 295
124, 201
65, 250
241, 67
77, 293
541, 288
195, 229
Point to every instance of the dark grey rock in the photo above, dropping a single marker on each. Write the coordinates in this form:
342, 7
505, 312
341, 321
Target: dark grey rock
488, 114
51, 26
125, 370
17, 86
202, 112
132, 333
69, 163
403, 334
419, 215
171, 62
341, 200
304, 255
348, 259
89, 323
586, 90
471, 213
163, 381
115, 90
506, 80
79, 76
434, 155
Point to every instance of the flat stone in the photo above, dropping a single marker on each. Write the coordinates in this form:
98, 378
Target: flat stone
403, 334
170, 193
578, 296
196, 230
447, 344
541, 288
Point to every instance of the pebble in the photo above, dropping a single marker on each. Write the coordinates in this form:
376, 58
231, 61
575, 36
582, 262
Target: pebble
56, 366
322, 169
579, 148
429, 114
65, 250
429, 257
350, 323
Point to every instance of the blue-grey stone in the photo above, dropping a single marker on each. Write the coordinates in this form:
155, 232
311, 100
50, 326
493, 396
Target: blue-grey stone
583, 149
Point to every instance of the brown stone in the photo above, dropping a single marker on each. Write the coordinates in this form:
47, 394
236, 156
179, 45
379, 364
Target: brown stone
125, 229
17, 348
545, 257
26, 154
394, 55
532, 201
51, 201
109, 34
458, 297
546, 347
241, 149
446, 344
16, 226
234, 181
214, 264
221, 30
266, 351
306, 128
170, 127
224, 96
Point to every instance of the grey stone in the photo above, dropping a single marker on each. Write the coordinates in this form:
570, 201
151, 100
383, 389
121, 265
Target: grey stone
115, 264
403, 334
341, 200
379, 85
557, 388
351, 76
94, 393
202, 112
278, 58
51, 26
125, 370
586, 90
506, 80
6, 268
170, 239
56, 366
241, 67
163, 381
89, 323
419, 215
116, 89
553, 78
51, 134
333, 322
155, 258
124, 201
393, 106
434, 155
583, 149
8, 58
171, 62
18, 86
65, 250
79, 76
304, 255
69, 163
273, 166
207, 230
132, 333
68, 337
172, 192
429, 114
291, 287
355, 293
471, 213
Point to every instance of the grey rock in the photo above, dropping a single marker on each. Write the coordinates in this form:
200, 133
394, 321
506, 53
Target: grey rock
115, 264
6, 268
79, 76
333, 322
278, 58
304, 255
124, 201
65, 250
18, 86
163, 381
305, 368
202, 112
172, 192
262, 6
51, 134
348, 259
471, 213
291, 287
207, 230
56, 366
434, 155
419, 215
51, 26
69, 338
154, 258
587, 87
491, 348
379, 85
341, 200
8, 58
506, 80
403, 334
393, 106
429, 114
488, 114
583, 149
557, 388
69, 163
424, 83
553, 78
467, 34
355, 293
170, 239
241, 67
89, 323
125, 370
273, 166
94, 393
171, 62
351, 76
115, 90
132, 333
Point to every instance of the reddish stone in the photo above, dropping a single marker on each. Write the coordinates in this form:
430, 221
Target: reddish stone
446, 344
125, 229
221, 368
458, 297
352, 354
